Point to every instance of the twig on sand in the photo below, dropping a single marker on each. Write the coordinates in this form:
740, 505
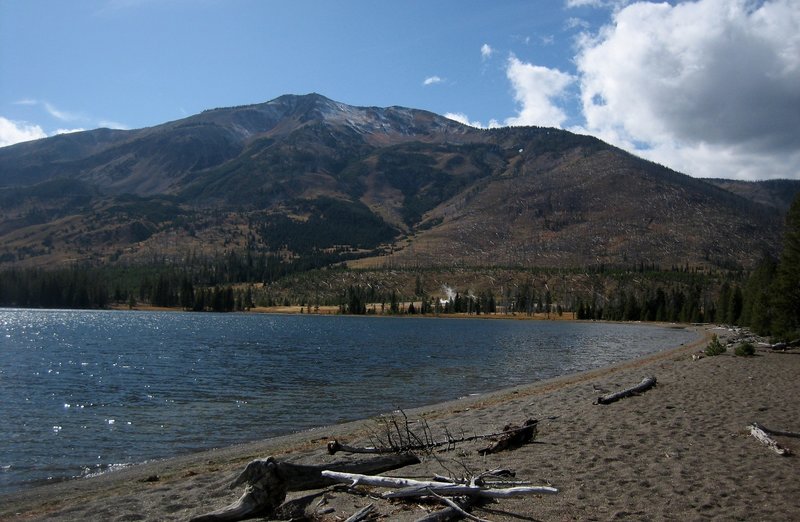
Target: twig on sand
451, 504
362, 514
512, 437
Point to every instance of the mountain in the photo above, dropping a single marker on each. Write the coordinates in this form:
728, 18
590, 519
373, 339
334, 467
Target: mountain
778, 193
308, 177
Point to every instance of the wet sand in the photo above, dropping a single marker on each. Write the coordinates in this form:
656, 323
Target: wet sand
678, 451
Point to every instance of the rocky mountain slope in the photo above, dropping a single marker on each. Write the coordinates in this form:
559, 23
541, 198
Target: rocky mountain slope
308, 177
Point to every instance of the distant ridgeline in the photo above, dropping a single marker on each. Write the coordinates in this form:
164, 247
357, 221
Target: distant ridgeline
306, 201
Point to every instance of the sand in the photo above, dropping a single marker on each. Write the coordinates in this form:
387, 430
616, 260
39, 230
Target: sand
680, 451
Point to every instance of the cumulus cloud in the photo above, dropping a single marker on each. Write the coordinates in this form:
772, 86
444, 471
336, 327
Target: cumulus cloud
537, 90
431, 80
486, 51
67, 131
12, 132
709, 87
460, 117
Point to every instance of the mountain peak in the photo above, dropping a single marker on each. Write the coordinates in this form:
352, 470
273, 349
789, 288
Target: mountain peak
372, 122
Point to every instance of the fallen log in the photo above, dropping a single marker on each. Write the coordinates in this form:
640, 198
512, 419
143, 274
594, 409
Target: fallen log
761, 436
513, 437
417, 488
777, 433
782, 346
268, 481
646, 384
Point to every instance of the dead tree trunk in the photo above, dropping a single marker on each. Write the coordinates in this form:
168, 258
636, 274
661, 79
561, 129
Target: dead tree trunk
268, 480
646, 384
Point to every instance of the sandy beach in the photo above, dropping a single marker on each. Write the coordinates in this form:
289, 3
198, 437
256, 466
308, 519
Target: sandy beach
681, 450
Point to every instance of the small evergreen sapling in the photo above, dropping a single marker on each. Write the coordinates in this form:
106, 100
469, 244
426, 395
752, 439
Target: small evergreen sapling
745, 350
714, 347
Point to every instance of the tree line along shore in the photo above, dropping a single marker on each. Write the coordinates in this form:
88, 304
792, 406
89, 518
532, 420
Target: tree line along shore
766, 298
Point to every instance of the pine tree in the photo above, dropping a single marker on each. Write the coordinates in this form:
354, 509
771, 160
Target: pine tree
757, 308
725, 293
734, 313
787, 277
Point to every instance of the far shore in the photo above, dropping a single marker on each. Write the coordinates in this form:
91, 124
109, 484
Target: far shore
679, 451
334, 310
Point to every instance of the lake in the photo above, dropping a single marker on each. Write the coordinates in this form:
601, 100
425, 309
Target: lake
83, 392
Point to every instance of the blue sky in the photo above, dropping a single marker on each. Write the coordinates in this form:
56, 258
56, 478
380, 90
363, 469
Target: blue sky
708, 87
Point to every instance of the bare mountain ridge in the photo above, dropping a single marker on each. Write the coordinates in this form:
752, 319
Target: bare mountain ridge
301, 175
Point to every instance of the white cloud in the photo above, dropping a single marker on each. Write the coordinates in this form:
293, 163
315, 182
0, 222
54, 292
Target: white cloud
709, 87
460, 117
110, 124
577, 23
536, 90
582, 3
605, 4
67, 131
70, 117
486, 51
59, 114
12, 132
431, 80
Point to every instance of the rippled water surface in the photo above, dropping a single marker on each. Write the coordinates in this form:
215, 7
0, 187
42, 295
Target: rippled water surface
83, 392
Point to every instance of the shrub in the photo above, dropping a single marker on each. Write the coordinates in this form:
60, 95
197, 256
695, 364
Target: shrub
745, 350
714, 347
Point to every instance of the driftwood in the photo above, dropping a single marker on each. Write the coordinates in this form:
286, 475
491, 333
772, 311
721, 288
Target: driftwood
524, 434
782, 346
646, 384
513, 437
417, 488
778, 433
760, 435
268, 480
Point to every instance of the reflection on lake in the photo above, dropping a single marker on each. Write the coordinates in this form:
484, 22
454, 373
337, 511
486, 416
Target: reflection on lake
84, 391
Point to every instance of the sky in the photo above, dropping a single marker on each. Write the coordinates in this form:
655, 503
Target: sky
710, 88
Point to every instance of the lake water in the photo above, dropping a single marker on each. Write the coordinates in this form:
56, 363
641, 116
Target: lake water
82, 392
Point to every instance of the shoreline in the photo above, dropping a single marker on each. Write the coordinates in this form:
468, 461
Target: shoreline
184, 486
328, 310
